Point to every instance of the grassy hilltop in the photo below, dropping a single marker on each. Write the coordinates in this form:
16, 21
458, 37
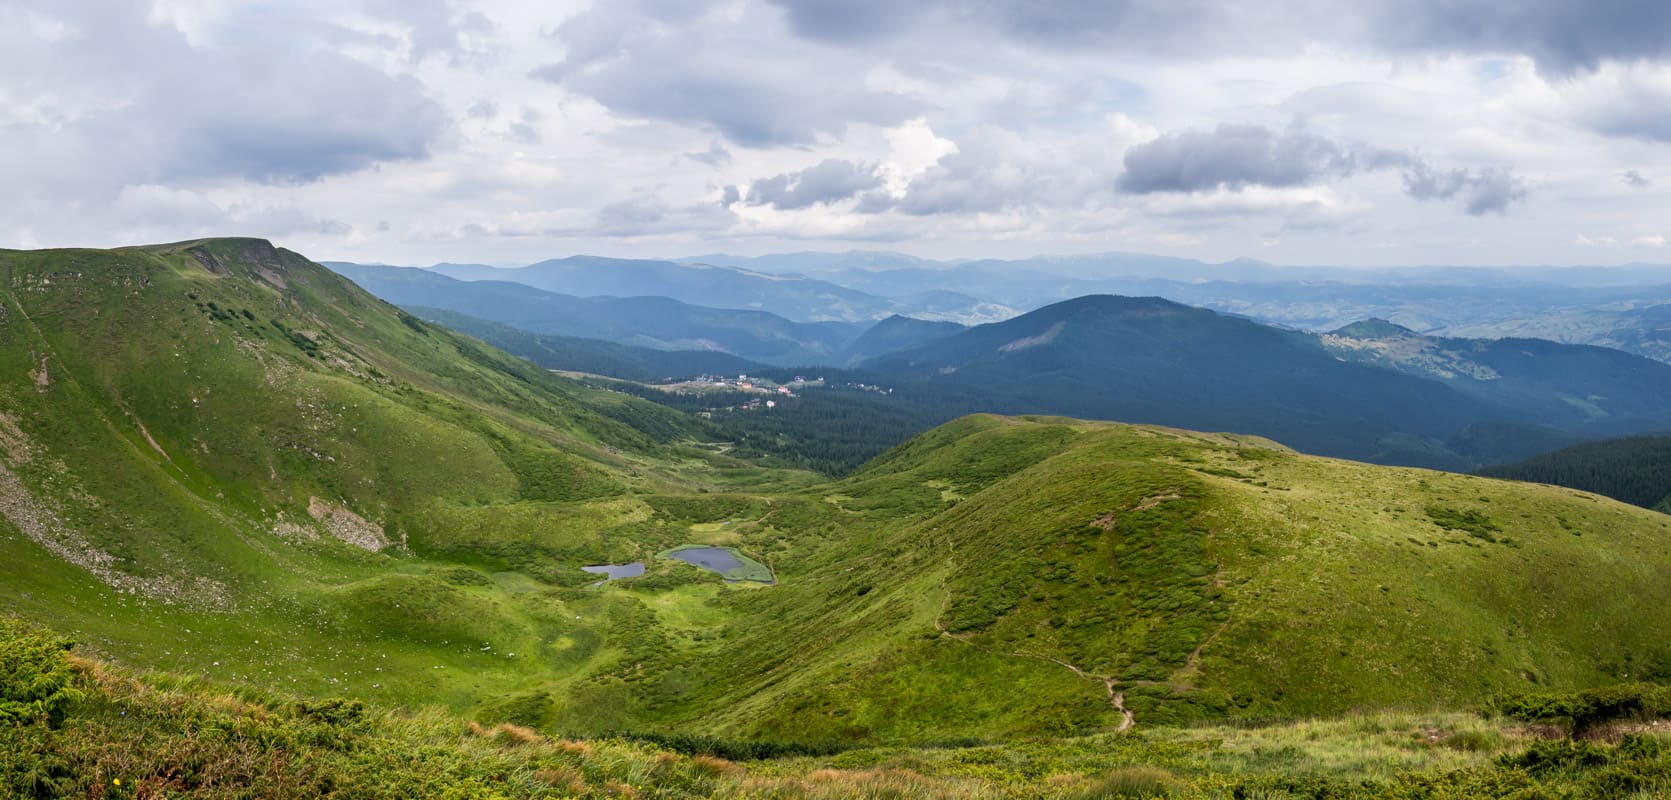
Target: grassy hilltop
218, 459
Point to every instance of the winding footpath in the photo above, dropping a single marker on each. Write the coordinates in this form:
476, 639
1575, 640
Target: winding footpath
1117, 698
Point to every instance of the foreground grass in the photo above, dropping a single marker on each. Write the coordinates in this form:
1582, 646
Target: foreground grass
76, 727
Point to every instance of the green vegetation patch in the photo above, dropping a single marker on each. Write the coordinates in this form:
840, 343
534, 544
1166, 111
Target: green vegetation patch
1473, 523
35, 675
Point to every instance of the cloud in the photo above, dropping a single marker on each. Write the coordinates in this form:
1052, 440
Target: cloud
436, 28
146, 104
164, 210
715, 156
1649, 242
292, 118
1623, 102
831, 180
1489, 190
680, 63
1562, 36
851, 20
1146, 26
648, 215
1635, 179
1238, 156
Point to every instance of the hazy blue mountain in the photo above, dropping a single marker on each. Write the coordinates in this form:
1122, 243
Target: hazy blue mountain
811, 261
655, 322
578, 354
1561, 385
716, 287
897, 332
1152, 360
1619, 307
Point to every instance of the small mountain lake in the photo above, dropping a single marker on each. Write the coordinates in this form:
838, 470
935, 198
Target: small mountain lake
730, 563
615, 571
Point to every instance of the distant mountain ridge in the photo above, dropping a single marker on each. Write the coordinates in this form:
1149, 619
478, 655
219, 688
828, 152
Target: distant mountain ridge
1624, 307
1152, 360
795, 297
656, 322
716, 287
1561, 385
1371, 390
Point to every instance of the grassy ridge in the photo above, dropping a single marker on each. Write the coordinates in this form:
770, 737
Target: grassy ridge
93, 730
1201, 576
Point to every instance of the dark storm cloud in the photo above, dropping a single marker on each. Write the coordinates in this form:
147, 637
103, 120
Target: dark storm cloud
829, 181
1485, 191
1237, 156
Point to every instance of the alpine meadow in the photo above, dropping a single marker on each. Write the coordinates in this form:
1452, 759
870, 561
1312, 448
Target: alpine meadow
787, 400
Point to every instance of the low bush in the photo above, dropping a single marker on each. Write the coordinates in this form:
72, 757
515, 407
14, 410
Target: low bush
36, 677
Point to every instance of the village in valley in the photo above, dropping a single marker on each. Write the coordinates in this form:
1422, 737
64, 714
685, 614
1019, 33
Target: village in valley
770, 392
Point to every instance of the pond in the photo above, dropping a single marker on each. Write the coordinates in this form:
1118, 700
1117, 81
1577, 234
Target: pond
614, 571
727, 561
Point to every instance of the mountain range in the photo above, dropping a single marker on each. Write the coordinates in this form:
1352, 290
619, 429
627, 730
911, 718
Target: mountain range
1623, 307
1372, 390
791, 296
221, 459
656, 322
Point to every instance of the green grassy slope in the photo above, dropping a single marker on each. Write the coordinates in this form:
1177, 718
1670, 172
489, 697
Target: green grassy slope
222, 458
327, 496
74, 727
1193, 575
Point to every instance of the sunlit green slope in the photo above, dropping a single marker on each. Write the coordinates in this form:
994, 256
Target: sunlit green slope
1022, 574
219, 456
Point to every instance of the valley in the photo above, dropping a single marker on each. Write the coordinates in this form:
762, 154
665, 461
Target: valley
835, 400
224, 461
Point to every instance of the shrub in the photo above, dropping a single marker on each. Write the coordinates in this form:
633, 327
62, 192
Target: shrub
1133, 782
36, 677
1590, 708
1473, 523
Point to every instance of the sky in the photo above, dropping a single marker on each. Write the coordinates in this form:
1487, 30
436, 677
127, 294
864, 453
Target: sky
1375, 132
